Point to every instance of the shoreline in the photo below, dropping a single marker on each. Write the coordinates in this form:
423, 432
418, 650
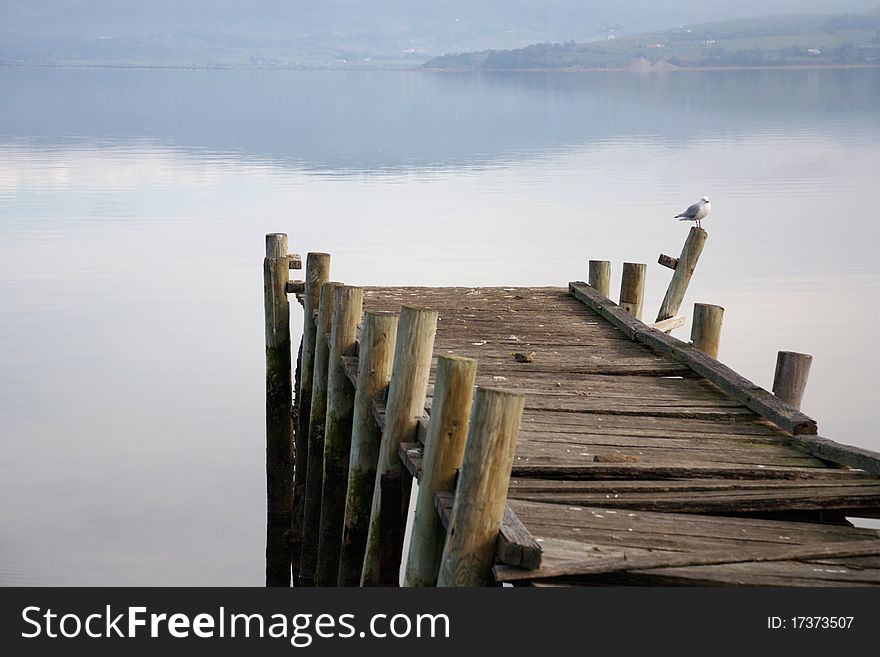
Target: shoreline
667, 68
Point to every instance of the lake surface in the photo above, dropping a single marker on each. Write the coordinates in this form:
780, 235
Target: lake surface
133, 205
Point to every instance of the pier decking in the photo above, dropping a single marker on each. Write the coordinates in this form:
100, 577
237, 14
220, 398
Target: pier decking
619, 442
599, 451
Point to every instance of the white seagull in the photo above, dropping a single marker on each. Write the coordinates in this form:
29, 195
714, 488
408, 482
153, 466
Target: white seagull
697, 212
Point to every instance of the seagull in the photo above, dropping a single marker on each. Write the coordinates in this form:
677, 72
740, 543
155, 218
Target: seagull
697, 212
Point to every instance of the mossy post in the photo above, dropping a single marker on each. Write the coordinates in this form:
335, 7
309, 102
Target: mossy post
317, 273
375, 358
444, 448
318, 416
348, 305
279, 393
600, 276
481, 493
406, 404
706, 328
632, 288
684, 270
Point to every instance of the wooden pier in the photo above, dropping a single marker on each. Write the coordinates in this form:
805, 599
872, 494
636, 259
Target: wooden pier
601, 451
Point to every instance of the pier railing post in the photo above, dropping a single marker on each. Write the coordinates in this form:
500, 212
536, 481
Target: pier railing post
684, 270
632, 288
790, 379
406, 404
317, 418
279, 393
600, 276
375, 359
348, 304
706, 328
444, 448
317, 273
481, 492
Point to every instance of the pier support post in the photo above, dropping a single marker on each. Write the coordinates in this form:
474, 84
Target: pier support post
632, 288
444, 448
375, 359
684, 270
706, 328
406, 404
348, 304
279, 400
317, 418
790, 380
481, 492
317, 273
279, 392
600, 276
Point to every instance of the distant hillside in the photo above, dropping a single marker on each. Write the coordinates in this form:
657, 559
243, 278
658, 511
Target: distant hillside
789, 40
270, 33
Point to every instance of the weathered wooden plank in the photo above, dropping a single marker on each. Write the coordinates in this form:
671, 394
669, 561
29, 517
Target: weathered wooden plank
847, 501
669, 325
854, 457
624, 470
740, 388
687, 559
516, 546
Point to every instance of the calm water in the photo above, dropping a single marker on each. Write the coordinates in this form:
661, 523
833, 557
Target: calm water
132, 211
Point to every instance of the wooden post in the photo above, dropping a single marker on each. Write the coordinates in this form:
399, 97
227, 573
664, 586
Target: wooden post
279, 394
406, 404
375, 358
317, 273
348, 305
481, 493
706, 329
684, 269
318, 416
790, 380
600, 276
632, 288
444, 447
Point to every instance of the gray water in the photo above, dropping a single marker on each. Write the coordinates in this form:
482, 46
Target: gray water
133, 205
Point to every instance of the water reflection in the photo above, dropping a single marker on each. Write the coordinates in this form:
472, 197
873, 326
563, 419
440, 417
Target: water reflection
133, 206
355, 121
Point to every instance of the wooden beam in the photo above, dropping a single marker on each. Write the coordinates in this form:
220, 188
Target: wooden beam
668, 261
295, 287
294, 261
737, 386
669, 325
641, 562
684, 269
854, 457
